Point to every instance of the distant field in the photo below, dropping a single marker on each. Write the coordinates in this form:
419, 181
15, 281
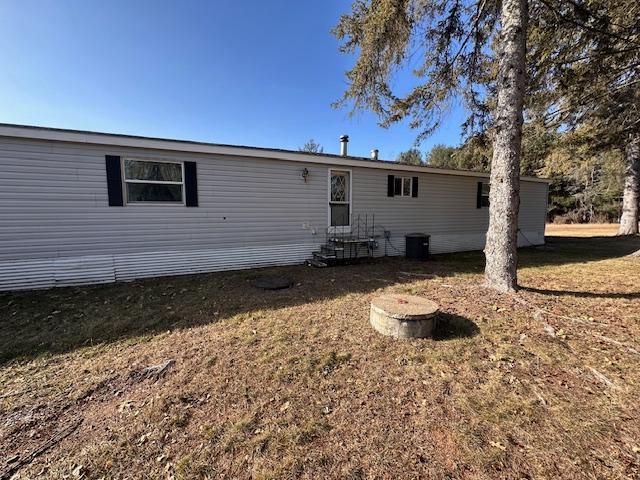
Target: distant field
582, 230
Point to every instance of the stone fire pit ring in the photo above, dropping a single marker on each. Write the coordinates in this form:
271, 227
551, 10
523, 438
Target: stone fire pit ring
403, 316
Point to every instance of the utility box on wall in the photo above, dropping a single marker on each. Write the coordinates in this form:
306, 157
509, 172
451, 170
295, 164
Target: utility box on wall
417, 246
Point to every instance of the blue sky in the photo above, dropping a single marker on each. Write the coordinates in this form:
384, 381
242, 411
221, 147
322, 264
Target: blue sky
260, 73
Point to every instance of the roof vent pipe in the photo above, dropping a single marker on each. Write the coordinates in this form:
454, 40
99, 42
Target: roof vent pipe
374, 154
344, 140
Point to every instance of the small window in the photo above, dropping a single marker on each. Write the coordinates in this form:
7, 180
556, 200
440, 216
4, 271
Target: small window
340, 198
339, 186
157, 182
402, 186
339, 215
484, 196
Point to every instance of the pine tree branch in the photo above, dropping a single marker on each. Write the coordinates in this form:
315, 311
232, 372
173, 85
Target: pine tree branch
584, 25
554, 113
471, 32
592, 14
600, 55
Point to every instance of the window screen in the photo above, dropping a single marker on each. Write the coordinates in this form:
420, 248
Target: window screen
484, 199
402, 186
339, 214
148, 181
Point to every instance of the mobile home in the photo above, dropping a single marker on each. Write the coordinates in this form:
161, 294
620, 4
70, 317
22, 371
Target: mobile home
84, 207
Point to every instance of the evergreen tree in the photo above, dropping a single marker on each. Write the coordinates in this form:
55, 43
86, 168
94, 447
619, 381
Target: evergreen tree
474, 154
587, 75
586, 184
410, 157
453, 38
441, 156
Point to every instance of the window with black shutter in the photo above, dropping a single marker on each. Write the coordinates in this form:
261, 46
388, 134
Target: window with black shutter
190, 184
114, 180
153, 181
132, 181
391, 181
482, 199
402, 187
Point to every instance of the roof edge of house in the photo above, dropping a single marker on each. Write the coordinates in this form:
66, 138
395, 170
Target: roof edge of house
190, 146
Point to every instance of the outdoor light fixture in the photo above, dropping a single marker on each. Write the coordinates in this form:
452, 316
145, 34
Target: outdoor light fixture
305, 174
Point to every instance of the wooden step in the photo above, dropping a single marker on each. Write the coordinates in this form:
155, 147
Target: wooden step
316, 263
324, 256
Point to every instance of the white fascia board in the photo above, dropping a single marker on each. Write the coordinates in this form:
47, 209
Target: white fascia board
96, 138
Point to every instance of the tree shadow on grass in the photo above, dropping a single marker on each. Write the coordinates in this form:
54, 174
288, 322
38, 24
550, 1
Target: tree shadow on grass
60, 320
64, 319
450, 327
572, 293
556, 251
565, 250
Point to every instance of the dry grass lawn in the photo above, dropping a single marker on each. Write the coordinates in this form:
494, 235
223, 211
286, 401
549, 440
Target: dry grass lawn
295, 383
582, 230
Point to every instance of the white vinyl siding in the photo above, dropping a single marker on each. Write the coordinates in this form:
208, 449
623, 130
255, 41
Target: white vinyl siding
445, 209
53, 203
57, 227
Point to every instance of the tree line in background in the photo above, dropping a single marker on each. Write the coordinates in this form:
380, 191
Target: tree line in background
568, 66
586, 184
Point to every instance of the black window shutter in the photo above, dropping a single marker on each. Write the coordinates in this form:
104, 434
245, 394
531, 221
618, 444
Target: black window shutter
479, 196
114, 180
414, 187
190, 184
390, 184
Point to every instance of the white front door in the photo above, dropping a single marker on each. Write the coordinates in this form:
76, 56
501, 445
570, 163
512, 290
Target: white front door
340, 200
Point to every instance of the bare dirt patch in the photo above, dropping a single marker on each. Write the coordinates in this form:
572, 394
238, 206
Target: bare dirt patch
294, 383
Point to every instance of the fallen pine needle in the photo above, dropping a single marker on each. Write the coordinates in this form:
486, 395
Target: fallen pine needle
616, 342
602, 378
26, 459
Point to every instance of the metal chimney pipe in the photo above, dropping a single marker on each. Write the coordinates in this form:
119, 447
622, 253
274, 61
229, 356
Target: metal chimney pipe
344, 140
374, 154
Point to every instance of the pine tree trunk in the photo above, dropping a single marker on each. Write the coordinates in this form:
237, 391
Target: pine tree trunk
631, 195
504, 196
